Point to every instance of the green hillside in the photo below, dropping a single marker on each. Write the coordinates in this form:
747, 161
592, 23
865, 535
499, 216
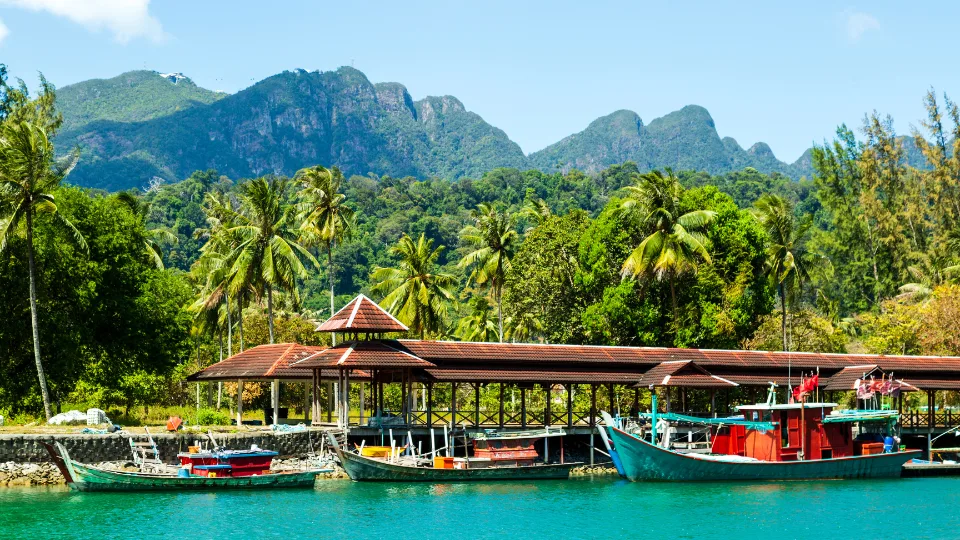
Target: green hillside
134, 96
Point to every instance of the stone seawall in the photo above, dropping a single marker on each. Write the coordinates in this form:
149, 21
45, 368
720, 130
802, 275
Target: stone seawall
113, 447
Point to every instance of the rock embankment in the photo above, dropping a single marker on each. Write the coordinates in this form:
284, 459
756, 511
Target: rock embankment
29, 474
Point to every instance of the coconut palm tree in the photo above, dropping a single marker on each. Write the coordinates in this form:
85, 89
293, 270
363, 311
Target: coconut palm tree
29, 175
523, 327
786, 256
212, 268
326, 220
494, 240
928, 271
478, 325
413, 291
155, 238
536, 212
675, 243
268, 254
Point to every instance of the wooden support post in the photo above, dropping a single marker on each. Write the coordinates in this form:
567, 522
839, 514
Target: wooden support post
239, 402
610, 396
501, 405
307, 387
403, 397
430, 409
275, 397
593, 416
546, 407
683, 399
523, 406
379, 398
476, 404
329, 386
713, 402
570, 405
635, 410
362, 402
453, 404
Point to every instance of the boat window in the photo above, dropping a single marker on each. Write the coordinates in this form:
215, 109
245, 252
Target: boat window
784, 431
826, 453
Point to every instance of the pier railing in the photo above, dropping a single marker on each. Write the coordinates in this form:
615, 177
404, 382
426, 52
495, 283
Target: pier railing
921, 419
490, 419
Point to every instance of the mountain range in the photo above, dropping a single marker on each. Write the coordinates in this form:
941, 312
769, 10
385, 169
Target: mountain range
144, 124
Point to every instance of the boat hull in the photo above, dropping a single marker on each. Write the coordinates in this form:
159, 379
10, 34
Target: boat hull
643, 461
364, 469
88, 478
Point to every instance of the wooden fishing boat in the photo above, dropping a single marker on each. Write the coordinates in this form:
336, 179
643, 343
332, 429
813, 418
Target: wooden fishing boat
793, 441
362, 468
506, 456
83, 477
642, 460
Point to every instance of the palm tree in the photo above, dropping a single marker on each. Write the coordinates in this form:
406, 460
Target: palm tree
326, 219
29, 174
478, 326
536, 212
154, 237
494, 240
675, 243
786, 256
523, 327
413, 290
268, 255
928, 271
212, 268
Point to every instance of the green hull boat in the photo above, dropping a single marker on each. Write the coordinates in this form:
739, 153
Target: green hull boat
83, 477
361, 468
644, 461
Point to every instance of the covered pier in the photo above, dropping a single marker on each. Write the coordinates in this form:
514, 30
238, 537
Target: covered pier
420, 384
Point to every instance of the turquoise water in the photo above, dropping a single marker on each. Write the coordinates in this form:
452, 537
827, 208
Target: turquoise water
587, 508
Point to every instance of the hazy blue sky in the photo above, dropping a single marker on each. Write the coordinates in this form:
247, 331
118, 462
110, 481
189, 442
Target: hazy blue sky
783, 73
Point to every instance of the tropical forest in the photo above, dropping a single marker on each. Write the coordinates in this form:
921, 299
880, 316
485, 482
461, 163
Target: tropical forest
115, 297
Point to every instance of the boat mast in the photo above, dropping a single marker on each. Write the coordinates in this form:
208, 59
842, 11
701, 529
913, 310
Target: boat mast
653, 415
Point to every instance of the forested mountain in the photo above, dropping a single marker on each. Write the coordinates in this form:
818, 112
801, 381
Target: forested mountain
684, 140
142, 125
293, 120
134, 96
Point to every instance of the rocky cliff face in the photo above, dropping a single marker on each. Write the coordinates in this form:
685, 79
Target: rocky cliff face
141, 125
293, 120
684, 139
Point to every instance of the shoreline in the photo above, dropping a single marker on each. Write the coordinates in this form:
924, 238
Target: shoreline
15, 474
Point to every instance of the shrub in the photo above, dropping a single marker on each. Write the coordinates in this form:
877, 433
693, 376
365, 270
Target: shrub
212, 417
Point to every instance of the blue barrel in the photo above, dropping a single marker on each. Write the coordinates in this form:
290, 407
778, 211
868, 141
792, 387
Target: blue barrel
183, 473
888, 444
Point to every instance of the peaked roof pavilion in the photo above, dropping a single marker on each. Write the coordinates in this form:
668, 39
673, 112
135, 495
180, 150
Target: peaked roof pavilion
363, 316
266, 362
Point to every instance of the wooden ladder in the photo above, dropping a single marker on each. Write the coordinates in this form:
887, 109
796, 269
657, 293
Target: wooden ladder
145, 454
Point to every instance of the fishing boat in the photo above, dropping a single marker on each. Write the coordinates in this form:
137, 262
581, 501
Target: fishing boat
85, 477
496, 456
769, 441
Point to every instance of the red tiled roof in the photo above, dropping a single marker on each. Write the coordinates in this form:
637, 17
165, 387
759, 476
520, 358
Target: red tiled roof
364, 354
362, 315
846, 378
682, 373
472, 352
932, 384
267, 362
536, 376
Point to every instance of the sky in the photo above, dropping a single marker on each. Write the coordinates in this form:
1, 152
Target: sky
785, 73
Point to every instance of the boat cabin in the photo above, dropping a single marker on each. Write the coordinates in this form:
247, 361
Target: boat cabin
794, 431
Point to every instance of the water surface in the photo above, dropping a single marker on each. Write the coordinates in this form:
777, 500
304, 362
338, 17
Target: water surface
581, 508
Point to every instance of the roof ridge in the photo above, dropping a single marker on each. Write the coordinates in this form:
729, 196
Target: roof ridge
359, 301
281, 358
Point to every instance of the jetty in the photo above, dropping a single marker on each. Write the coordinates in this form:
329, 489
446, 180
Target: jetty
696, 382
